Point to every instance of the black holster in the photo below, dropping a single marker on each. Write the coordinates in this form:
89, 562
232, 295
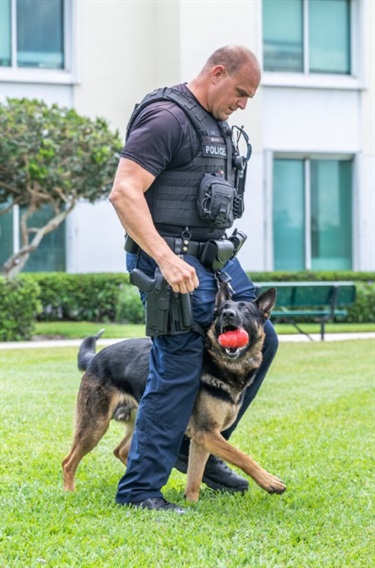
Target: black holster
216, 253
167, 313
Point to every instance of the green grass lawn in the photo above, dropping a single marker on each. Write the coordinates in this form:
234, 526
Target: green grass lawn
312, 424
73, 330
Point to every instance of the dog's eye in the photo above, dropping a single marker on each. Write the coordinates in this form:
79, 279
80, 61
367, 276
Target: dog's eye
246, 310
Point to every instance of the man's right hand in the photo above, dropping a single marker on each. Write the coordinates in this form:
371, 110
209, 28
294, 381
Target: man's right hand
179, 274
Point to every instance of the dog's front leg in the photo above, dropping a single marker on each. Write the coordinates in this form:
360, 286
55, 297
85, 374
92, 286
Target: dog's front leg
215, 444
198, 457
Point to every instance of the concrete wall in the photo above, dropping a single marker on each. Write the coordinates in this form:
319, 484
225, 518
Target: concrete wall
123, 49
95, 239
116, 58
366, 159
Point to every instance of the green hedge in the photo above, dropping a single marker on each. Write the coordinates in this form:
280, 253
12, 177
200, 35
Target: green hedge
19, 306
87, 297
363, 310
110, 297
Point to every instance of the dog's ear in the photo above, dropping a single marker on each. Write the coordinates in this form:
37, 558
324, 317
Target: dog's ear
266, 302
224, 293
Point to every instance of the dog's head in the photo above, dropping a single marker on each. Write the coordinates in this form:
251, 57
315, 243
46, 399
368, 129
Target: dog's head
244, 319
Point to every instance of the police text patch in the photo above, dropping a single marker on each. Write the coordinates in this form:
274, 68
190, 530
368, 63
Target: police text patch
213, 147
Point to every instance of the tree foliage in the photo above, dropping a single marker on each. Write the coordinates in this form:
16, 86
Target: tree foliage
50, 155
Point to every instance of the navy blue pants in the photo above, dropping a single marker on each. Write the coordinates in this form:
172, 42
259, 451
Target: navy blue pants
173, 382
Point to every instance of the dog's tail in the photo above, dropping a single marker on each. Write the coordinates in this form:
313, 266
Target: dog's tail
87, 350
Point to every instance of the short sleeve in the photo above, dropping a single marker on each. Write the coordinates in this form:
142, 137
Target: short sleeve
159, 133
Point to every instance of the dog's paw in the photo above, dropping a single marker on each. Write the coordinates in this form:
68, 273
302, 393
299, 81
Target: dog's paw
276, 486
191, 496
273, 484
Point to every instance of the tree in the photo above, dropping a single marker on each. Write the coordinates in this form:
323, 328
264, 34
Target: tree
51, 156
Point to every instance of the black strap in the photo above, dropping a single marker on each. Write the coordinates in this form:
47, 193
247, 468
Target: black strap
196, 114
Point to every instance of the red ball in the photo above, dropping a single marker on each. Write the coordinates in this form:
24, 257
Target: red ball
233, 339
228, 339
242, 337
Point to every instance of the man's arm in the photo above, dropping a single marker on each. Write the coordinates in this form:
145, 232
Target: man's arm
127, 197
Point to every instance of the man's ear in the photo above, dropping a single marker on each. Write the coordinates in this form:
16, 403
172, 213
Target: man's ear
217, 73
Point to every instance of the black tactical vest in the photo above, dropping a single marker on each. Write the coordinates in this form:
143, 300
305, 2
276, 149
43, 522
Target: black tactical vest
172, 198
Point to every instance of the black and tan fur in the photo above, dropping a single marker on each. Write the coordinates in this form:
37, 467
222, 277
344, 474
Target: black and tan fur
115, 379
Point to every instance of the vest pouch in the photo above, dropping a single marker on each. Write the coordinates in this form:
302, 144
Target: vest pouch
215, 201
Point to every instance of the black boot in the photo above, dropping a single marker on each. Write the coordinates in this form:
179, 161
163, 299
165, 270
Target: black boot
156, 504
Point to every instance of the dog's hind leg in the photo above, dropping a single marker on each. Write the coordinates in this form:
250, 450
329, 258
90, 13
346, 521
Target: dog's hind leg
215, 444
122, 450
198, 456
93, 413
85, 440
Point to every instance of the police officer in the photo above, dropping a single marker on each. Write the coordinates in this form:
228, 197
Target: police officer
176, 138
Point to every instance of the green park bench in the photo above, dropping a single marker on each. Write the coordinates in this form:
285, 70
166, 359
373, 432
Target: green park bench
321, 301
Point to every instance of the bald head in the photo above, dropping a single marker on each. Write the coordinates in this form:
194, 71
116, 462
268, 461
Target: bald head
228, 79
232, 57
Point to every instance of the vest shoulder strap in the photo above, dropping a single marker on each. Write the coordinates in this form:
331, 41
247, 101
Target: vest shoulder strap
200, 119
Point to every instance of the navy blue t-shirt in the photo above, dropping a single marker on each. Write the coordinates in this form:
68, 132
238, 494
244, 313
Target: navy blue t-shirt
161, 136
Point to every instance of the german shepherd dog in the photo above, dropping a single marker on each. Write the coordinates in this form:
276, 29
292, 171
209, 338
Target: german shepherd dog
115, 379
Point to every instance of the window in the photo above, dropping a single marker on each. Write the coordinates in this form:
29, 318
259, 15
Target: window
312, 214
50, 254
288, 215
307, 36
32, 34
6, 235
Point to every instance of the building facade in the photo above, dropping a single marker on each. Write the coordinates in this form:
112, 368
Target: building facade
310, 199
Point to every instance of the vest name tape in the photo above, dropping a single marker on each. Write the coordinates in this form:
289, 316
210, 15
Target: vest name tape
215, 150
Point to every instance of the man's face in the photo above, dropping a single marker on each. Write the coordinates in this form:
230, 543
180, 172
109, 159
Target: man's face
231, 92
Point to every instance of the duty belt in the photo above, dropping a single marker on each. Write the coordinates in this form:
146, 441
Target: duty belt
179, 245
213, 254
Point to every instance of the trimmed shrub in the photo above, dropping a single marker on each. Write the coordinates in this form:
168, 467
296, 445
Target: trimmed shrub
363, 309
19, 305
129, 308
110, 297
79, 297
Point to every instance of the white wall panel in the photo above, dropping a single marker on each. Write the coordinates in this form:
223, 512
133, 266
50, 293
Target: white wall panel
60, 94
95, 239
311, 120
253, 252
